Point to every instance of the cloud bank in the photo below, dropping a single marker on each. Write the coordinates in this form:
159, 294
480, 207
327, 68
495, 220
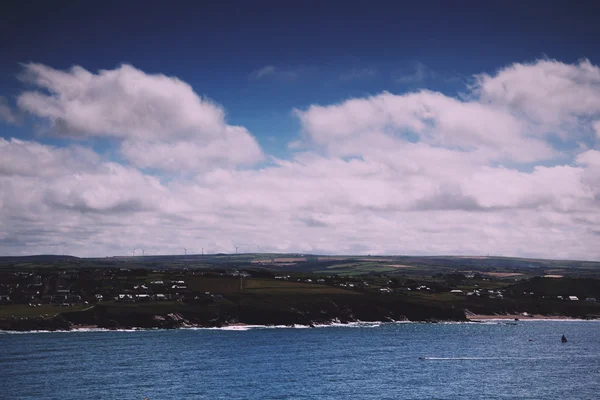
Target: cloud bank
511, 167
156, 118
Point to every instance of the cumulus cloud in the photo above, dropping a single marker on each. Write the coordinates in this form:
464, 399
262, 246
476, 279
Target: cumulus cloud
124, 102
359, 125
26, 158
158, 114
6, 112
308, 204
235, 147
412, 173
551, 95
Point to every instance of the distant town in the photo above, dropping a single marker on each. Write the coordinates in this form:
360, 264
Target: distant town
56, 292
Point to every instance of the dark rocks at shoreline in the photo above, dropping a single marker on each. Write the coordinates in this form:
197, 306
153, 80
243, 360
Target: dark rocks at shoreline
308, 311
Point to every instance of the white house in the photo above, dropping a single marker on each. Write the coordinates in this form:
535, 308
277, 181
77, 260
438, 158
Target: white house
125, 298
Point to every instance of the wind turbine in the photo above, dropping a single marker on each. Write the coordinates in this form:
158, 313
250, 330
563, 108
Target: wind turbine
237, 246
133, 252
185, 251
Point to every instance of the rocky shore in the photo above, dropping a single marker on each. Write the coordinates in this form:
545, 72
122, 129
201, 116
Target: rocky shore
285, 311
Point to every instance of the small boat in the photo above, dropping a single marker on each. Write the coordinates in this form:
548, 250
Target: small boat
563, 339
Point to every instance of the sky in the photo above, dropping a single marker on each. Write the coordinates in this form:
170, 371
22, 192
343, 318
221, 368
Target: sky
355, 127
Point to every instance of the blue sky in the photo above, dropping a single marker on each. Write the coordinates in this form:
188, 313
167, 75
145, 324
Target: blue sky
215, 47
286, 73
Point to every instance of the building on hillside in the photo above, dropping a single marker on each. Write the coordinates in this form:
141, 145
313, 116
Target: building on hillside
125, 298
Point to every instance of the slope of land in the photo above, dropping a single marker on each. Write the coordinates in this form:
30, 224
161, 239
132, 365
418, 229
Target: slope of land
55, 292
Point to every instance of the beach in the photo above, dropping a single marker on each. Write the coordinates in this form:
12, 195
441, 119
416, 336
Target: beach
520, 317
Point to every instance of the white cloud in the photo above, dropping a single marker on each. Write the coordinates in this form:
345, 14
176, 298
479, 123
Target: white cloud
415, 173
155, 113
308, 204
235, 147
6, 112
359, 125
23, 158
549, 94
590, 157
124, 102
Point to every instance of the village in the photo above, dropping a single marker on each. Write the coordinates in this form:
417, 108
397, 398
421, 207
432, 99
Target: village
75, 286
84, 286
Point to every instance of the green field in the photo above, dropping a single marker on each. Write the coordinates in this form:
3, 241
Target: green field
270, 286
149, 308
222, 285
23, 310
351, 269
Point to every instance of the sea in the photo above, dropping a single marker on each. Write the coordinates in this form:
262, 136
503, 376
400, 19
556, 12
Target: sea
491, 360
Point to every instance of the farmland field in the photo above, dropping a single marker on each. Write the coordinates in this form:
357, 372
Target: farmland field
23, 310
269, 286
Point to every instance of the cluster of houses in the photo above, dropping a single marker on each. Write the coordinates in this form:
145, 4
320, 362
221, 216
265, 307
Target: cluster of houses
575, 298
498, 294
165, 290
124, 285
405, 289
305, 280
99, 285
490, 293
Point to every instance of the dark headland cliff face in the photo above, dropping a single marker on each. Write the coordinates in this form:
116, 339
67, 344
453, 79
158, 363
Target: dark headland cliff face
252, 310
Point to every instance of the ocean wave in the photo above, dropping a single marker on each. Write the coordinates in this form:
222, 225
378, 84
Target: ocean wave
235, 328
75, 330
497, 320
335, 324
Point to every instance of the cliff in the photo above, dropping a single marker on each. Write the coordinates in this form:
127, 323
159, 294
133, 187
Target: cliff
252, 310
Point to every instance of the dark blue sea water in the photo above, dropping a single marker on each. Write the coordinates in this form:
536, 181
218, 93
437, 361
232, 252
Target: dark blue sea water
474, 361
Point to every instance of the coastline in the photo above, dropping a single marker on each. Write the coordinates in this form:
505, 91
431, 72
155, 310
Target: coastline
241, 327
231, 327
520, 317
311, 315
